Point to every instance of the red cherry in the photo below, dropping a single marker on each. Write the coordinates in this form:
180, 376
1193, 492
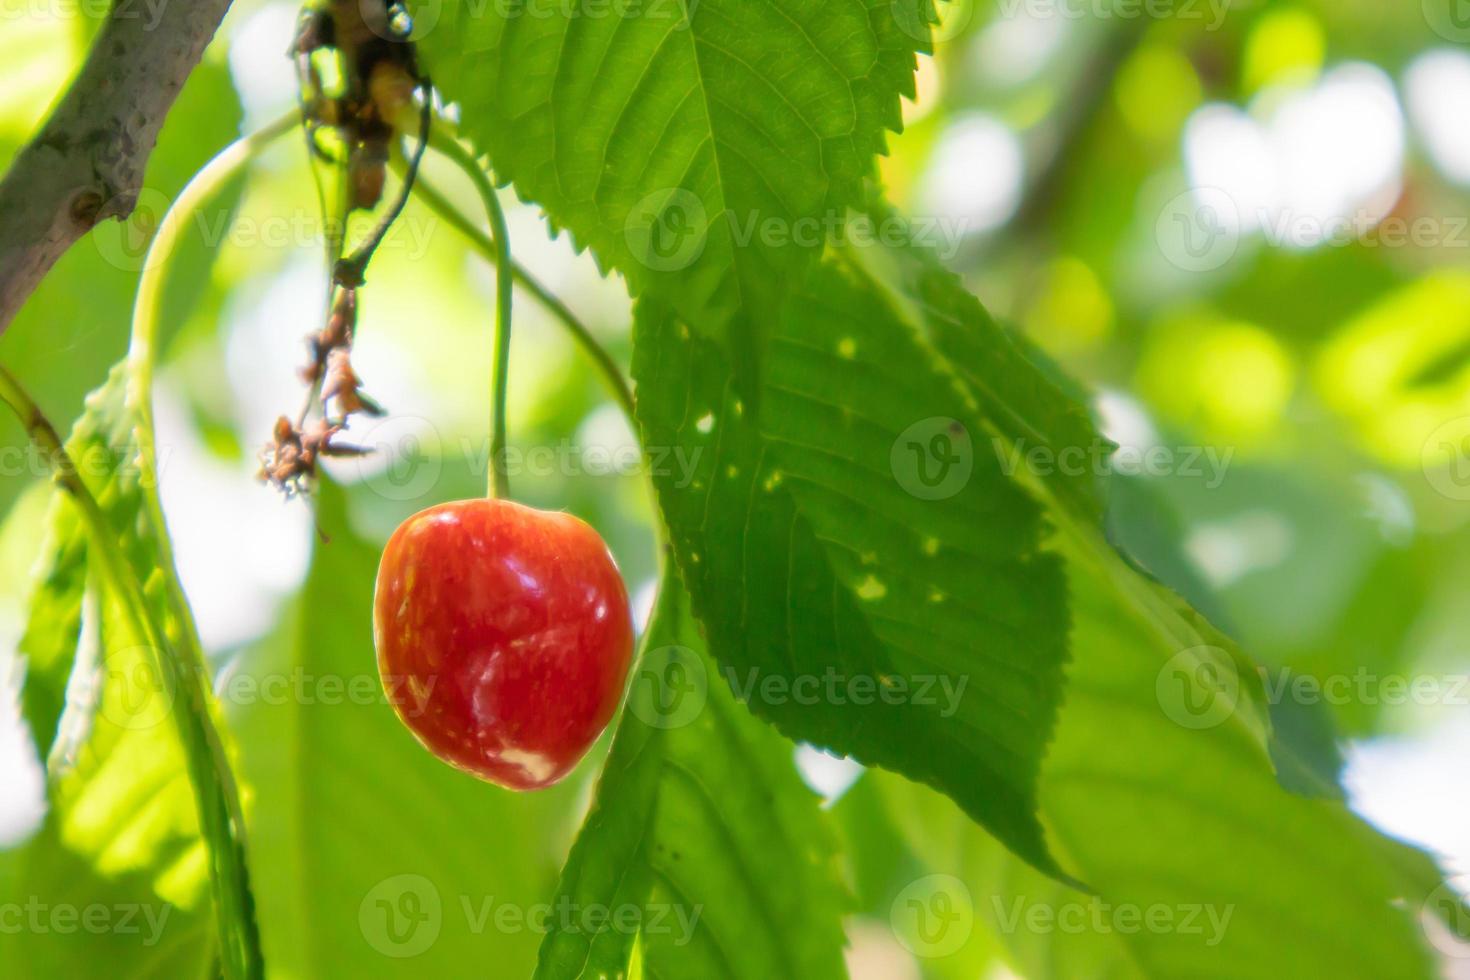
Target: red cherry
503, 636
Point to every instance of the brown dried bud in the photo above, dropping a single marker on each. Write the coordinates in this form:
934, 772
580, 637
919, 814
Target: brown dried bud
283, 462
343, 386
367, 171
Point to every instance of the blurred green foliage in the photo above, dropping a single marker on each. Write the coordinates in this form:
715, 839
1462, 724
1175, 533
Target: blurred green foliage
1321, 372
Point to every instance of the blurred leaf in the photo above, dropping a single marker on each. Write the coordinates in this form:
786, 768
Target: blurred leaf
852, 527
72, 919
1303, 740
370, 856
1304, 748
1285, 546
1001, 892
1373, 634
1394, 370
703, 827
54, 621
1246, 879
1142, 525
137, 757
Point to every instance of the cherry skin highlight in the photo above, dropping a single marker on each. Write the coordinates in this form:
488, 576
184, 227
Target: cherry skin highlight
504, 637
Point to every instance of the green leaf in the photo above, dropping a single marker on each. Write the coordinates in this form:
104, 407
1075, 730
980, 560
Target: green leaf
53, 616
370, 856
120, 845
701, 833
1026, 408
1142, 526
1189, 821
134, 931
119, 789
1167, 811
671, 136
1022, 410
869, 578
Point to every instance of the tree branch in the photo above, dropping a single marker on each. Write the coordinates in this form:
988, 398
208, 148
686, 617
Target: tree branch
87, 162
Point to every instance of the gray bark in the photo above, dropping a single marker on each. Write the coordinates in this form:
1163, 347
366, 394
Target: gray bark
86, 163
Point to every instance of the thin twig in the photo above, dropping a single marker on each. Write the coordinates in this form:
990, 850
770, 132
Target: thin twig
350, 272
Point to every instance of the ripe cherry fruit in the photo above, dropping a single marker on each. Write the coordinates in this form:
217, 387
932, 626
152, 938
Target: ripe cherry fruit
503, 636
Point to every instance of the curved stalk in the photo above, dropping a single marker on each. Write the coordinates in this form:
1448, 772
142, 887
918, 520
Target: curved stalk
496, 248
216, 794
612, 375
500, 374
216, 798
445, 142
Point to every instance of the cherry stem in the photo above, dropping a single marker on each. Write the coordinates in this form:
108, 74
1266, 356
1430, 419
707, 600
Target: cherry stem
436, 201
444, 140
500, 375
450, 147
